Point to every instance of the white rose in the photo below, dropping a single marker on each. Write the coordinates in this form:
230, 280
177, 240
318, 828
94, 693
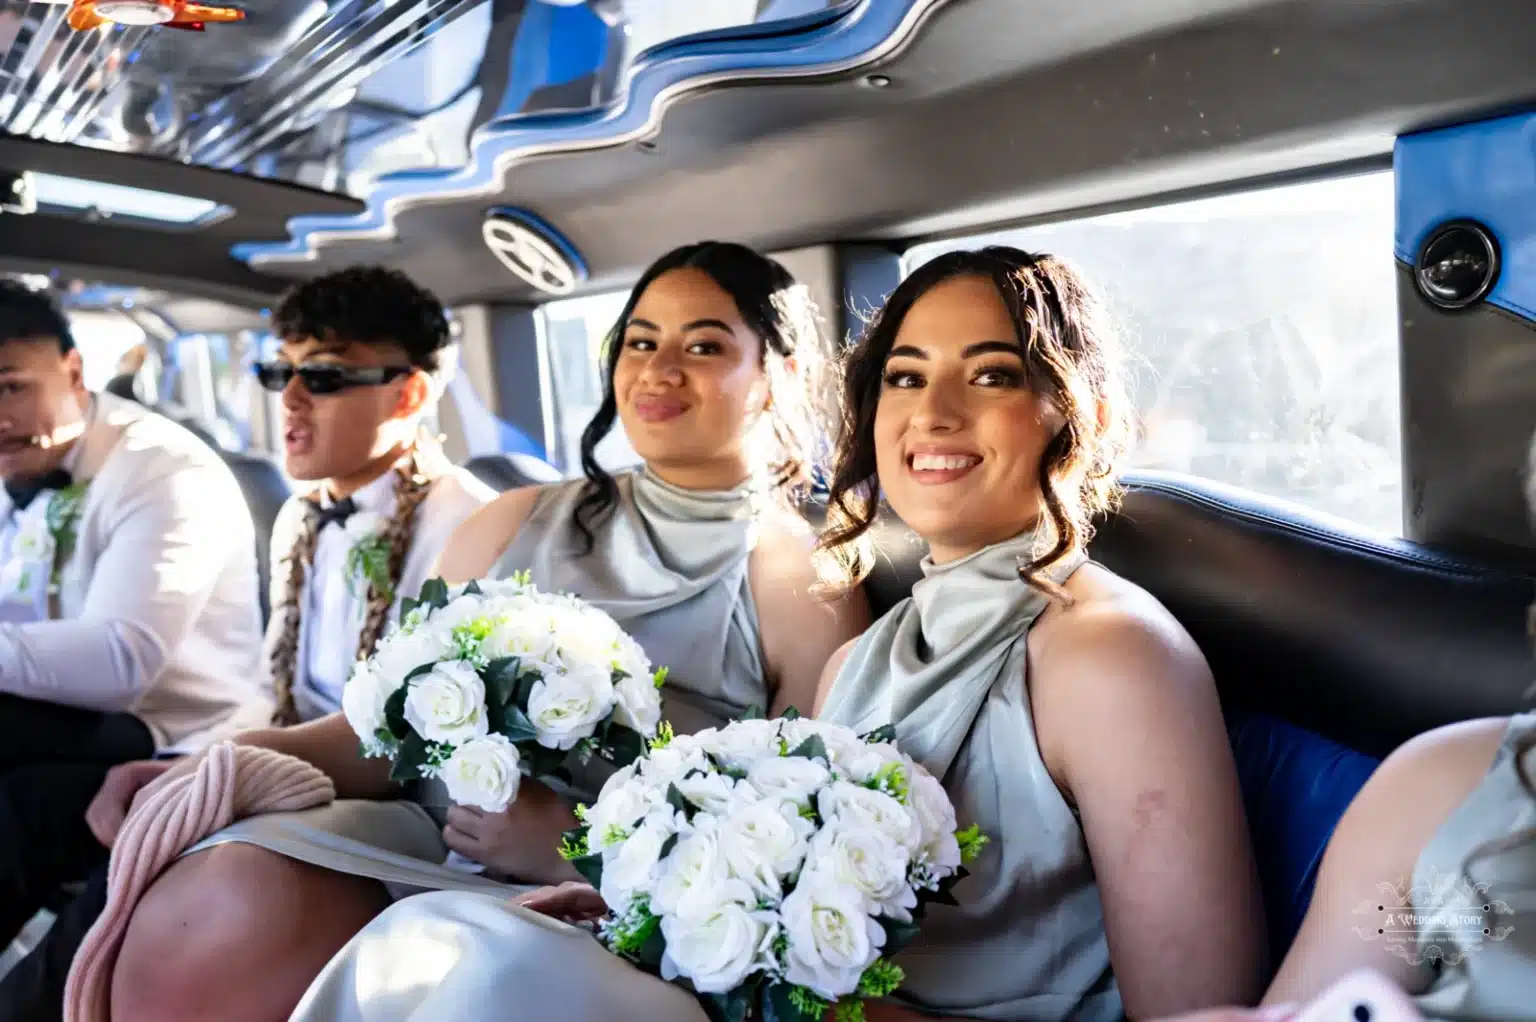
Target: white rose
634, 864
639, 705
671, 763
717, 946
740, 744
847, 753
34, 542
448, 704
520, 635
362, 526
867, 862
460, 611
929, 802
854, 807
566, 707
763, 842
692, 872
483, 773
617, 811
362, 703
793, 777
714, 792
403, 653
859, 761
831, 938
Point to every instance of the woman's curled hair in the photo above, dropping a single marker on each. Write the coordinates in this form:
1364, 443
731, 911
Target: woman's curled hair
1072, 357
776, 308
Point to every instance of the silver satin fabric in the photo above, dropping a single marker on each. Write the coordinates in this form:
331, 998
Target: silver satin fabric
947, 668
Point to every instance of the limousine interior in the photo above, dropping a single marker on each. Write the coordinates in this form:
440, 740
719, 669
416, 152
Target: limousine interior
1317, 219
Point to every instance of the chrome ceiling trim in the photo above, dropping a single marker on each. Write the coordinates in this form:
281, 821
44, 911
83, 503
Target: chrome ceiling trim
677, 71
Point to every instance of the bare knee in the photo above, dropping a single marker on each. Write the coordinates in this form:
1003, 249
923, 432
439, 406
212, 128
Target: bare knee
235, 933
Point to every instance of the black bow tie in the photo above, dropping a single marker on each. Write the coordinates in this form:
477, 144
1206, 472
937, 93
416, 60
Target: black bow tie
338, 513
24, 491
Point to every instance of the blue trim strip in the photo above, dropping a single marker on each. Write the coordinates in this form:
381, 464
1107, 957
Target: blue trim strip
1483, 171
860, 32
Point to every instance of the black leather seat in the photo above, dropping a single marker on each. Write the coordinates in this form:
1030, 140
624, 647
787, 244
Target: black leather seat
502, 472
1366, 640
265, 492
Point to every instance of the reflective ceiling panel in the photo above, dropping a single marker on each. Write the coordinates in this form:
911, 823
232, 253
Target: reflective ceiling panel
332, 94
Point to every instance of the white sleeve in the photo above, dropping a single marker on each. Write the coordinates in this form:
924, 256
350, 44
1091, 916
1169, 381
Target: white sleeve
162, 560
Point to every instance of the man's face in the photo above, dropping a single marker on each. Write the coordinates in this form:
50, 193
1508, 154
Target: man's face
42, 406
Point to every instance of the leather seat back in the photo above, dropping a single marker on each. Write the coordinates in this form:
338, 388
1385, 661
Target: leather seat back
1366, 640
504, 472
265, 492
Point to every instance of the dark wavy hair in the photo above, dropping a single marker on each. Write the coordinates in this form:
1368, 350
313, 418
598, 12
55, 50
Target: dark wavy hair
1071, 356
782, 314
368, 305
28, 314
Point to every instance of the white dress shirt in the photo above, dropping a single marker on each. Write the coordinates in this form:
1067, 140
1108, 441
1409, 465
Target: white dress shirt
157, 604
332, 611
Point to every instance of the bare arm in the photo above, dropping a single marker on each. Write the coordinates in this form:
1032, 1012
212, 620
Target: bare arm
471, 552
329, 745
1131, 728
800, 631
1379, 840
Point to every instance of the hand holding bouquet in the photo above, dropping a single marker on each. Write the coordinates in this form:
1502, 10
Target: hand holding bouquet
775, 865
484, 682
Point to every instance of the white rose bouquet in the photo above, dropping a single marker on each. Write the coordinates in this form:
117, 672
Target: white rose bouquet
485, 682
773, 865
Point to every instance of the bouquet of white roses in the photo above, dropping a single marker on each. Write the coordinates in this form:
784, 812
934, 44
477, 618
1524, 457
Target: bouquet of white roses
775, 865
485, 682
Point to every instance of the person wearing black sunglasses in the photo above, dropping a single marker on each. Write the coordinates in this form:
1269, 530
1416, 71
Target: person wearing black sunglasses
361, 357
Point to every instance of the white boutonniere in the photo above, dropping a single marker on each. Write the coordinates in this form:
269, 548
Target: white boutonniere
45, 540
367, 555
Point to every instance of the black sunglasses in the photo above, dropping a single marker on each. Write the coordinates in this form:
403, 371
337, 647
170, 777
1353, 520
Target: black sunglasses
319, 378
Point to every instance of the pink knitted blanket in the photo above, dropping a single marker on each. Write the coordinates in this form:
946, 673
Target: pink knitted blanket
231, 782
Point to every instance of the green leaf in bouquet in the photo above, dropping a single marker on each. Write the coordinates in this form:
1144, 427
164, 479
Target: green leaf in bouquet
591, 869
971, 841
500, 677
812, 748
753, 712
785, 1002
897, 934
667, 846
416, 672
943, 895
542, 762
516, 725
434, 594
473, 589
790, 713
573, 843
623, 745
881, 979
676, 800
883, 733
413, 755
525, 682
408, 606
394, 714
731, 1007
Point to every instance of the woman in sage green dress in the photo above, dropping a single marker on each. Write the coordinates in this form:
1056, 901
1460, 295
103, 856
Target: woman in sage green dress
1064, 709
698, 554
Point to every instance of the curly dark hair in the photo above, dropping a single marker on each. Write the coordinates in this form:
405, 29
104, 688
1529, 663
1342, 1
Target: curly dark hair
26, 314
367, 305
782, 314
1072, 357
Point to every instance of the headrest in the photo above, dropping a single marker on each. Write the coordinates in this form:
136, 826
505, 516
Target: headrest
1365, 639
510, 471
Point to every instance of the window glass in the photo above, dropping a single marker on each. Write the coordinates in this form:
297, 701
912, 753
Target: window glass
105, 340
573, 335
1263, 329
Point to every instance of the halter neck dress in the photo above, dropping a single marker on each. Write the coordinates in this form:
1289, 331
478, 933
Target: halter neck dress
947, 668
671, 566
